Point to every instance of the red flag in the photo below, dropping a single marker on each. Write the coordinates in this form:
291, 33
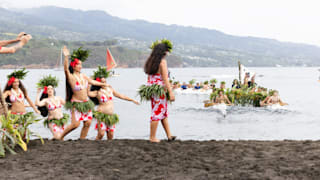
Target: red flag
110, 61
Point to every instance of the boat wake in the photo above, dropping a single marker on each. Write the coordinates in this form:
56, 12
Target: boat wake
235, 110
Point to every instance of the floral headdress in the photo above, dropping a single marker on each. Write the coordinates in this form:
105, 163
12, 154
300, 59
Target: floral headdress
100, 73
79, 55
48, 81
17, 74
167, 42
213, 81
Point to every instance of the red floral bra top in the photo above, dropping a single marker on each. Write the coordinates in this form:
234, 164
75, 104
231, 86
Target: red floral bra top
106, 95
52, 106
14, 97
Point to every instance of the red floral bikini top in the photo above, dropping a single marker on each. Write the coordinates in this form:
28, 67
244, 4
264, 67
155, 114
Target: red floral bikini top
78, 86
14, 97
52, 107
106, 95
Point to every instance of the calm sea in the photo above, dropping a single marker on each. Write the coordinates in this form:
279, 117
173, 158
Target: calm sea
190, 120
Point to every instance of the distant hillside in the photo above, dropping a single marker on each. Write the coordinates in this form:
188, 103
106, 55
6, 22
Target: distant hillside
45, 53
196, 46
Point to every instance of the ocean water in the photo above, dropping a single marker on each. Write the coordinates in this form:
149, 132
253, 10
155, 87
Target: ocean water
189, 120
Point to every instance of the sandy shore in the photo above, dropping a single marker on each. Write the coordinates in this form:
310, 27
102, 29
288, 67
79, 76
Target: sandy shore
139, 159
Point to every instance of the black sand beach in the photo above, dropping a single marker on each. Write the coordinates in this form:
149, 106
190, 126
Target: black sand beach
139, 159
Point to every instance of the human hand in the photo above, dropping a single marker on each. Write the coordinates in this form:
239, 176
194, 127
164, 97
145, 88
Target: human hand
37, 111
39, 90
136, 102
171, 94
20, 35
66, 52
25, 39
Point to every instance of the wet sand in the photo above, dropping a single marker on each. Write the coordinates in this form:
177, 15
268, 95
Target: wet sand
139, 159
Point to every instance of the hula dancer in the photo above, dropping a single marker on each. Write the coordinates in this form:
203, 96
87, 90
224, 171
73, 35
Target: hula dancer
103, 96
21, 40
158, 84
15, 94
51, 106
77, 99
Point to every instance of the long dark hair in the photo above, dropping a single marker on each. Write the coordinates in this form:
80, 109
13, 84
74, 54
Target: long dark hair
8, 88
95, 99
69, 91
153, 62
43, 109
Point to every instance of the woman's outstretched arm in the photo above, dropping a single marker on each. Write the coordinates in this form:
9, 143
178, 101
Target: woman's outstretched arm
94, 82
10, 50
66, 54
38, 102
121, 96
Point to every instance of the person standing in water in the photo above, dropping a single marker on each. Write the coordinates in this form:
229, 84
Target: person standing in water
103, 97
77, 99
157, 71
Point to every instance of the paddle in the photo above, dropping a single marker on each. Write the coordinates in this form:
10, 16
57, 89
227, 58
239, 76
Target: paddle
283, 104
208, 104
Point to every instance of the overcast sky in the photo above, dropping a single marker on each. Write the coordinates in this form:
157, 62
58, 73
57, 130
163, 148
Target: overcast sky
285, 20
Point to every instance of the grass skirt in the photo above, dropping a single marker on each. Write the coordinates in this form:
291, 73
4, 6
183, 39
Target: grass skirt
82, 107
59, 122
109, 120
146, 92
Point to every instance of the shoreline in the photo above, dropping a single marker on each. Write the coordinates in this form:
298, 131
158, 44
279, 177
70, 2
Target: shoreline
140, 159
37, 66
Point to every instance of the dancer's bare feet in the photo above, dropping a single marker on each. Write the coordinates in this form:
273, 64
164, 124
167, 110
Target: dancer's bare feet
172, 138
154, 140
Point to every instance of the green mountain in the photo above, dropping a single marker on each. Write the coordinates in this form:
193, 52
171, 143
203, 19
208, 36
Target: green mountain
196, 46
46, 53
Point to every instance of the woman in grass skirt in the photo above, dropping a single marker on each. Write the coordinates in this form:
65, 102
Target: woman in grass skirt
51, 106
15, 95
103, 97
157, 71
77, 100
